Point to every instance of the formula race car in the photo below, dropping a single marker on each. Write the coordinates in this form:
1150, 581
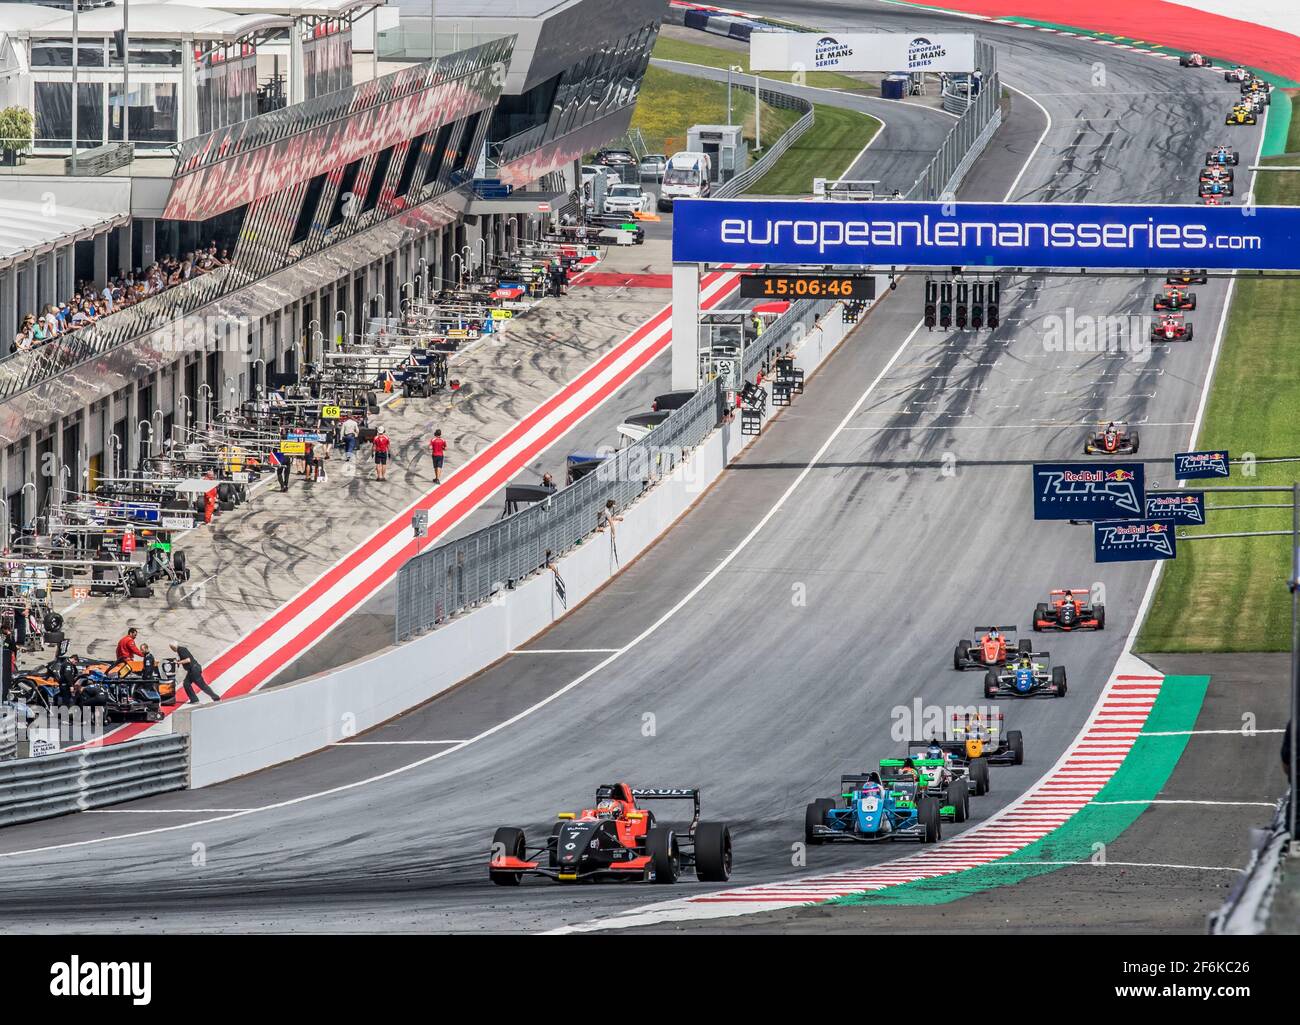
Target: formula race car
1237, 74
1028, 676
1215, 189
617, 839
875, 809
1215, 201
1069, 609
989, 648
1174, 298
1257, 100
1254, 84
1171, 328
1221, 173
1223, 155
1195, 60
940, 767
1187, 277
972, 736
1241, 114
1112, 440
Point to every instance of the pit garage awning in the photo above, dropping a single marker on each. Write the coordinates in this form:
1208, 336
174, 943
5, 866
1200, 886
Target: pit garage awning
519, 202
29, 229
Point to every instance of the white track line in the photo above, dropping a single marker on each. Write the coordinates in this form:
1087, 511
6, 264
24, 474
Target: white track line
1029, 159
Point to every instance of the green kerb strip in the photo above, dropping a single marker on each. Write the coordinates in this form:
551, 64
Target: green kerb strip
1279, 124
1140, 777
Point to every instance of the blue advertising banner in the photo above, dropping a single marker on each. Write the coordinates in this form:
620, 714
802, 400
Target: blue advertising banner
902, 234
1133, 541
1181, 508
1088, 491
1195, 465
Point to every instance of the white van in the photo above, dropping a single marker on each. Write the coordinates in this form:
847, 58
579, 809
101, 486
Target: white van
686, 177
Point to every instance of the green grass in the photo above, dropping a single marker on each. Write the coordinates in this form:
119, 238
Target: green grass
1293, 137
717, 57
670, 103
1230, 594
825, 151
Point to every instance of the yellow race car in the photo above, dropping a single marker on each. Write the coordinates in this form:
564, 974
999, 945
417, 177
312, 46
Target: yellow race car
1241, 114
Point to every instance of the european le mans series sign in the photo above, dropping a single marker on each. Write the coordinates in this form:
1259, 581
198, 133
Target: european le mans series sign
1088, 491
1133, 541
974, 235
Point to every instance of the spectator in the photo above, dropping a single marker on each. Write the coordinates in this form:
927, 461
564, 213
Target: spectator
127, 649
351, 431
193, 674
381, 444
548, 482
438, 450
606, 516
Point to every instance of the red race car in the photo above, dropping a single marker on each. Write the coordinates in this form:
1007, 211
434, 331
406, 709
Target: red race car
1172, 327
1112, 440
617, 839
989, 648
1215, 201
1069, 609
1174, 298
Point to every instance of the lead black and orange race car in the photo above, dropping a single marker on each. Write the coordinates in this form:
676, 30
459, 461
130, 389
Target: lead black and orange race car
1187, 277
617, 840
989, 648
1112, 440
1174, 298
1069, 608
1172, 327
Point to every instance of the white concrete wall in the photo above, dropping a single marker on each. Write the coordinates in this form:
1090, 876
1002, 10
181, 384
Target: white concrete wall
246, 734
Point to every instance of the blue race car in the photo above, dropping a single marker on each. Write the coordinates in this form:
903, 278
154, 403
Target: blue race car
1026, 677
897, 808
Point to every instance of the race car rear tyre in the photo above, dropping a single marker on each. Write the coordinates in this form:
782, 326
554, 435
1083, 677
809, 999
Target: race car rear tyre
507, 842
1040, 613
712, 852
1133, 439
979, 776
665, 857
927, 816
1189, 326
1058, 680
1026, 646
991, 684
1099, 611
959, 798
960, 654
1016, 742
815, 815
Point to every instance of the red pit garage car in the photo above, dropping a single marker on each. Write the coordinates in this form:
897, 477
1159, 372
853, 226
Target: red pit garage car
1174, 298
1172, 327
989, 648
617, 840
1069, 609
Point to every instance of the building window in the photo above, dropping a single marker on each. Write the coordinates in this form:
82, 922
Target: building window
54, 114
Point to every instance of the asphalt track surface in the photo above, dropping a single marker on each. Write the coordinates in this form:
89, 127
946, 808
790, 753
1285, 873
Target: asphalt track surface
756, 698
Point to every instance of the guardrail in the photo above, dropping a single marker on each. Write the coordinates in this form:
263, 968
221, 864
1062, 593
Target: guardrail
1246, 911
468, 571
49, 785
8, 734
760, 167
969, 136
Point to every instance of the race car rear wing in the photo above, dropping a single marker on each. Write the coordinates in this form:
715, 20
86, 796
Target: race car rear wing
999, 629
670, 794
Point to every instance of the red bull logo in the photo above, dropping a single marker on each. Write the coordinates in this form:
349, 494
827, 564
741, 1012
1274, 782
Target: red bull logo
1119, 475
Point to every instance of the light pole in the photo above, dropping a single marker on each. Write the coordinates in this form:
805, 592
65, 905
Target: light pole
76, 50
730, 68
758, 121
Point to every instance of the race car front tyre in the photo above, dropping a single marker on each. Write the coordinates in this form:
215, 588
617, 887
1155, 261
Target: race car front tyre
1040, 613
815, 815
712, 852
1133, 438
960, 654
1058, 680
507, 842
959, 798
979, 776
1099, 611
927, 816
1016, 742
665, 857
991, 684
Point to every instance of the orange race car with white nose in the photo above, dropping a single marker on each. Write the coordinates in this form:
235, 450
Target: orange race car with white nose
617, 839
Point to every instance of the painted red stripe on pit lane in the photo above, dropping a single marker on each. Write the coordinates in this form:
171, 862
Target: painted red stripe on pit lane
331, 576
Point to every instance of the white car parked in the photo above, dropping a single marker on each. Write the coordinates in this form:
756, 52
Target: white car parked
627, 199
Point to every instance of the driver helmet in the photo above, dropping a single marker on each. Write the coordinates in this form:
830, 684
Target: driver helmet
1024, 660
934, 751
609, 809
993, 633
